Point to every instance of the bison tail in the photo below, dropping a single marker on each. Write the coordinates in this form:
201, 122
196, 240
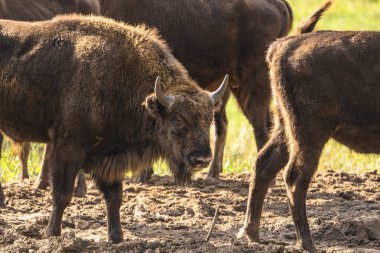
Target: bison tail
308, 25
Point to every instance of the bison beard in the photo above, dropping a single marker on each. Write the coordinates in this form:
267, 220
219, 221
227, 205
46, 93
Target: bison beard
87, 86
316, 101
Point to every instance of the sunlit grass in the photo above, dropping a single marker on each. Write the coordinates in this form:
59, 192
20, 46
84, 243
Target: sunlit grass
342, 15
240, 150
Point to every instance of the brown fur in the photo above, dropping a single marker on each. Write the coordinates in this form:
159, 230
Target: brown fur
34, 10
85, 84
316, 101
215, 37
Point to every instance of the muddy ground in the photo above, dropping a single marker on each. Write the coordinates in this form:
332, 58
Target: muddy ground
344, 215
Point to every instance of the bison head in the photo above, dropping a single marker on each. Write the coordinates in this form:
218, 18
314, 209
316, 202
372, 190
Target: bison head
183, 120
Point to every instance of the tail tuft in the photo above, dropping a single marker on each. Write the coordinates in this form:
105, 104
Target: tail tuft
308, 25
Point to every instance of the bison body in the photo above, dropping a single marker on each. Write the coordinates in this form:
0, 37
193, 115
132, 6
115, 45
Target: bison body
86, 85
325, 85
215, 37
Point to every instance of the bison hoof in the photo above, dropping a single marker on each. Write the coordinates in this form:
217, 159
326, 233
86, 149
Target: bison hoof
144, 176
309, 247
214, 171
24, 177
41, 184
116, 238
252, 236
52, 232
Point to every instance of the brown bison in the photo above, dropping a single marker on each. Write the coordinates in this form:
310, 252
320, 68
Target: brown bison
214, 37
316, 101
88, 86
35, 10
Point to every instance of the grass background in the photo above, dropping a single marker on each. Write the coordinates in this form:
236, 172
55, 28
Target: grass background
240, 149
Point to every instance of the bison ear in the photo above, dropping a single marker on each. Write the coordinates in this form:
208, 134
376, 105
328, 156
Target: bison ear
153, 106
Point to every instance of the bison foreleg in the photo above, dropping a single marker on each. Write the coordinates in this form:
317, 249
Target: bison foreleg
270, 160
221, 122
65, 164
113, 194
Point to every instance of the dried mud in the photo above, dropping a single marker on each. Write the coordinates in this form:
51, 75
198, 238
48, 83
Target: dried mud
343, 211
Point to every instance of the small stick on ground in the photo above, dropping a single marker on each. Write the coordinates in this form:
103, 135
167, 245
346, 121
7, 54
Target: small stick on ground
213, 223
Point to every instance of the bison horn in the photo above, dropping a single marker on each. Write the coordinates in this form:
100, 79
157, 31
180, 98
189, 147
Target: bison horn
164, 100
218, 94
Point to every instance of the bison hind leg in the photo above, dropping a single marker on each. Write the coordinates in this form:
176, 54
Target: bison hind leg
298, 173
270, 160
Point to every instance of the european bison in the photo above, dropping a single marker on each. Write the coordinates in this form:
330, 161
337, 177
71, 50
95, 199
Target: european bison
35, 10
88, 86
325, 85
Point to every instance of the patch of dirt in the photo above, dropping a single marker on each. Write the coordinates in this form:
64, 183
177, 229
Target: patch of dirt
343, 211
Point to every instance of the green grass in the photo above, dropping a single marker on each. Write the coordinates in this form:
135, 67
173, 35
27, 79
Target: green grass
240, 150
